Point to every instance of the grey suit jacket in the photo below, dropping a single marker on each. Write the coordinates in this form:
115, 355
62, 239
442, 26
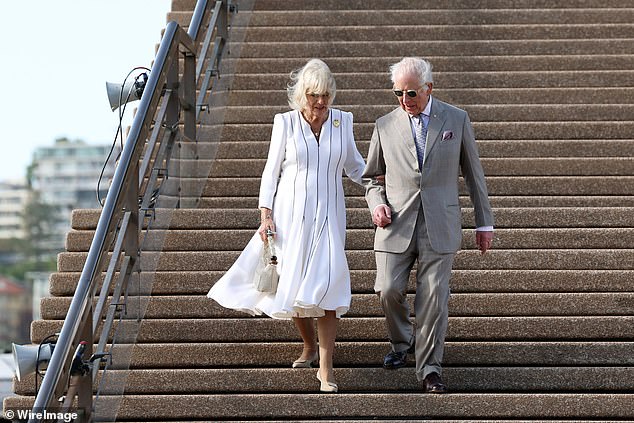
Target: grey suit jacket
451, 148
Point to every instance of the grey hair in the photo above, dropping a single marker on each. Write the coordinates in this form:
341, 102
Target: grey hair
314, 77
412, 66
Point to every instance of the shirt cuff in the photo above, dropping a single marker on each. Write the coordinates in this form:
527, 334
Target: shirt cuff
484, 229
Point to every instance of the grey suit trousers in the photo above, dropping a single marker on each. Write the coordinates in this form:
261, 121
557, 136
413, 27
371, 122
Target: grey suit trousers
431, 303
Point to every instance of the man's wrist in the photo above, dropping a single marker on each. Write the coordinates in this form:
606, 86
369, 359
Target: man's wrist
380, 205
484, 229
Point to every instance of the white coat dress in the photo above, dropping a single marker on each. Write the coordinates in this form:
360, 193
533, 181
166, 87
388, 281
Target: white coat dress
302, 184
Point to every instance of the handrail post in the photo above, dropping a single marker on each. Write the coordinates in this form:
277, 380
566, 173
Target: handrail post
188, 142
223, 30
84, 384
171, 121
131, 204
189, 97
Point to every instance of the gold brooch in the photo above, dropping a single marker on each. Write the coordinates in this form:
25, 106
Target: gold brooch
336, 123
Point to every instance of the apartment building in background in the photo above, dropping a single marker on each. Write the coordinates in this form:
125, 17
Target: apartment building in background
66, 174
13, 197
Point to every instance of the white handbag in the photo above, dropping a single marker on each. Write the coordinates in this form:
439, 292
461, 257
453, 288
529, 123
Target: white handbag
266, 276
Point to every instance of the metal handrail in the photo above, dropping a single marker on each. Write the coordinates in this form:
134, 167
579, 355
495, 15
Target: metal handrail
120, 223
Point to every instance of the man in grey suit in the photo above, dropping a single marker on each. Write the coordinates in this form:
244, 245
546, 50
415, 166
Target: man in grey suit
421, 147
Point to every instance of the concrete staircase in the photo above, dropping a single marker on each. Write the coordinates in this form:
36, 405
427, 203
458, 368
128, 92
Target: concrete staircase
541, 328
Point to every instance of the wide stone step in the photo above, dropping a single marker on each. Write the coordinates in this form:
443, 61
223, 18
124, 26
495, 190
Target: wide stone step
434, 48
452, 31
378, 380
477, 113
448, 79
508, 166
505, 131
187, 282
497, 185
382, 420
359, 260
520, 148
352, 354
364, 305
527, 217
440, 16
400, 406
465, 96
448, 4
444, 63
556, 148
496, 201
299, 5
363, 239
547, 328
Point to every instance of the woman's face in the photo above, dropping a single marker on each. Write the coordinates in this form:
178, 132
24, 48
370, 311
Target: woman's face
317, 104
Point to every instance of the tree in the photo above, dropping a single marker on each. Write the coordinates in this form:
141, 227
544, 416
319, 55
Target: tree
40, 220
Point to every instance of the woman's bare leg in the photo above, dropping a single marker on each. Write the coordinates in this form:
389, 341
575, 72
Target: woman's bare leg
306, 328
327, 332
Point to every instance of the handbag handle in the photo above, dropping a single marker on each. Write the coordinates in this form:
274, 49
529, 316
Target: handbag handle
269, 238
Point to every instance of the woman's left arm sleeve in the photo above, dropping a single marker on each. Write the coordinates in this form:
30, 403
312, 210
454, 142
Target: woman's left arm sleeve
354, 164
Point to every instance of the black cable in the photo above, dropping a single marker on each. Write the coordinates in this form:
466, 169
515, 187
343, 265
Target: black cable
119, 132
37, 359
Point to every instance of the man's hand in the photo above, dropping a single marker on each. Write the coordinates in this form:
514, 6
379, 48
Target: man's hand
382, 216
484, 240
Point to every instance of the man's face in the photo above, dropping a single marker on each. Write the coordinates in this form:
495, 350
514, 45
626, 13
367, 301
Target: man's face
412, 105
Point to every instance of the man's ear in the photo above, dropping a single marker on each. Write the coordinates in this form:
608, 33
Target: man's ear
429, 88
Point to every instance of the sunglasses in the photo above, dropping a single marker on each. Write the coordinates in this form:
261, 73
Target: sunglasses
410, 93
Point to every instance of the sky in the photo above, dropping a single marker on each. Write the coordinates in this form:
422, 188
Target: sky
56, 58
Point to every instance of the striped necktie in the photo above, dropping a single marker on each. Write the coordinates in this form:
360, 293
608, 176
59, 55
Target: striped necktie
421, 139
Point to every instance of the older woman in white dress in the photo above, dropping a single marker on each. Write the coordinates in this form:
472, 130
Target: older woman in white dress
302, 201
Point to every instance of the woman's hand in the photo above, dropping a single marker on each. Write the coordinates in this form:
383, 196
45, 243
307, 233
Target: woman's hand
266, 222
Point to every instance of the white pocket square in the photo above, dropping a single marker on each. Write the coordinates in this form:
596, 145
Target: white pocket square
447, 135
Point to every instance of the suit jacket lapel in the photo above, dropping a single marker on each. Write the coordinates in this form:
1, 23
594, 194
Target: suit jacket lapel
404, 131
436, 122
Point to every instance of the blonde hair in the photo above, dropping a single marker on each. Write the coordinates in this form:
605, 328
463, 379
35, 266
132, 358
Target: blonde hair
315, 78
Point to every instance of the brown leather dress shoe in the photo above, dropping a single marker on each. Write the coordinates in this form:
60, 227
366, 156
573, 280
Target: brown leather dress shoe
433, 384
